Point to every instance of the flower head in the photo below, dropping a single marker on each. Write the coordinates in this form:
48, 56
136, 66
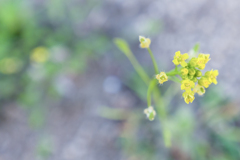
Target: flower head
144, 42
202, 60
200, 90
180, 59
203, 81
150, 113
212, 76
205, 57
162, 77
187, 84
188, 96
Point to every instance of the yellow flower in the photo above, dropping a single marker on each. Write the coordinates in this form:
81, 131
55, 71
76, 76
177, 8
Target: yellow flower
205, 57
40, 55
200, 90
184, 71
203, 81
212, 75
188, 96
202, 60
180, 59
150, 113
200, 63
144, 42
187, 84
162, 77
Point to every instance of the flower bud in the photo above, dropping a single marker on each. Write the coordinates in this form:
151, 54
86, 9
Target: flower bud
190, 77
144, 42
194, 79
184, 71
192, 71
193, 62
198, 73
150, 113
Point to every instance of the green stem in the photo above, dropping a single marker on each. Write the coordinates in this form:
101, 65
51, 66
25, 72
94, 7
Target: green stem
151, 87
138, 68
173, 79
177, 79
172, 73
153, 60
160, 107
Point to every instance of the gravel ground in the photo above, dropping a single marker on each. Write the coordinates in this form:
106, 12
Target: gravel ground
76, 130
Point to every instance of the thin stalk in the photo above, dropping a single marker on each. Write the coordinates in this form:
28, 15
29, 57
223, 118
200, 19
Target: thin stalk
138, 68
173, 79
151, 87
172, 73
153, 60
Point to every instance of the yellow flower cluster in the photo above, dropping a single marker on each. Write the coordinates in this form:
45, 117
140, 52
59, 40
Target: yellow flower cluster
190, 74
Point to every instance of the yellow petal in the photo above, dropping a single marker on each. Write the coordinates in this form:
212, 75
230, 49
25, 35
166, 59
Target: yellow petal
214, 81
215, 73
185, 56
183, 64
178, 53
175, 61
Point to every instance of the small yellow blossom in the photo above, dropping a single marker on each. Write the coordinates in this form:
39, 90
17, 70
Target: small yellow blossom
162, 77
202, 60
212, 76
144, 42
180, 59
184, 71
188, 96
187, 84
40, 55
205, 57
203, 81
150, 113
200, 90
200, 63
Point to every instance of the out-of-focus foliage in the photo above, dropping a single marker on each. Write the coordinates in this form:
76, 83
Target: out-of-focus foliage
42, 49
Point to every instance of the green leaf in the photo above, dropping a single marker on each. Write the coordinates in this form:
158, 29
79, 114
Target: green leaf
196, 48
122, 45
